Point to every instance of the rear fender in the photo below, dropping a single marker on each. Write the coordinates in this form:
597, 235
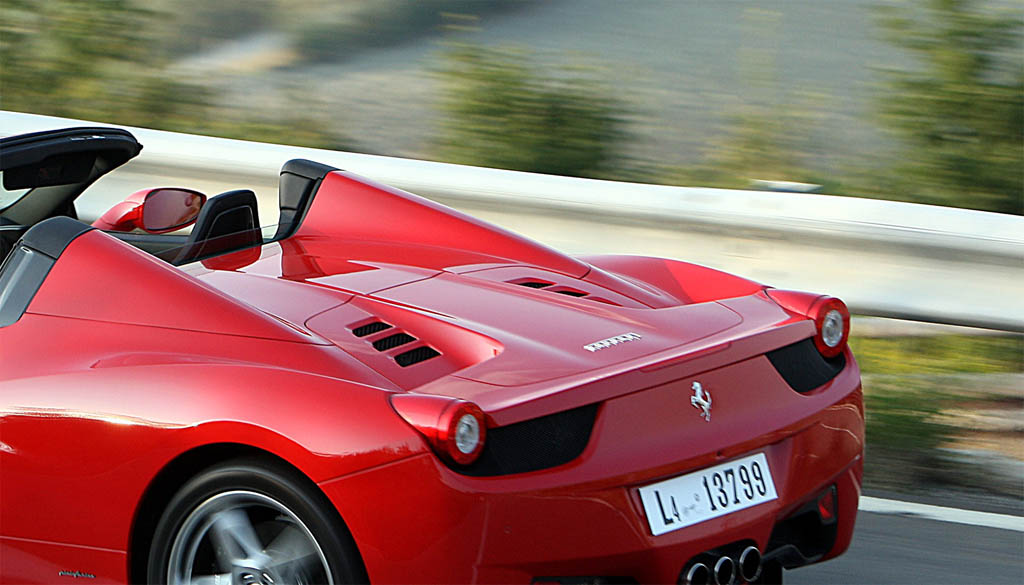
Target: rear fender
73, 430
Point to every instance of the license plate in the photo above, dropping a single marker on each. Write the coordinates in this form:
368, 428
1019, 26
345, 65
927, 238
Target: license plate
709, 493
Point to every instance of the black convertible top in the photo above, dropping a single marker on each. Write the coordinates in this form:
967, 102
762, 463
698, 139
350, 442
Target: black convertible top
63, 157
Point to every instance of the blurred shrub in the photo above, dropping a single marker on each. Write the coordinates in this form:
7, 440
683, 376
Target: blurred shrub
956, 113
70, 58
911, 384
904, 433
501, 112
771, 130
960, 112
194, 25
940, 354
774, 144
326, 32
101, 61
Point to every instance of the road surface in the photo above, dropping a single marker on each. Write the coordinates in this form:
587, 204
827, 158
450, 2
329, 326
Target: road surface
906, 550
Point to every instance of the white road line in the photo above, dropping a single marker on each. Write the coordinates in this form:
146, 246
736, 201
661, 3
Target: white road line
942, 514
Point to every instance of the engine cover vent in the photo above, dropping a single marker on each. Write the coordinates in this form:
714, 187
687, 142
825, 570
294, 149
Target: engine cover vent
534, 283
370, 328
560, 289
415, 356
392, 341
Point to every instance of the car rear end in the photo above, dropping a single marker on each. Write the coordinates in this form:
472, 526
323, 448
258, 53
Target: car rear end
719, 461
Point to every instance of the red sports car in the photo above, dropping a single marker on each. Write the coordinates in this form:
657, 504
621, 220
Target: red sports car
380, 388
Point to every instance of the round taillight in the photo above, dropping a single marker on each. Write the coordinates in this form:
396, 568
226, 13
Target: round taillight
832, 329
832, 321
455, 429
465, 431
467, 434
830, 316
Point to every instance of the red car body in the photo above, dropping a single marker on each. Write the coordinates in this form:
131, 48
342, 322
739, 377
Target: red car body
125, 375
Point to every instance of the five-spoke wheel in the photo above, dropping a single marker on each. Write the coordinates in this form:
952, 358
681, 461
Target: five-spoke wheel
249, 523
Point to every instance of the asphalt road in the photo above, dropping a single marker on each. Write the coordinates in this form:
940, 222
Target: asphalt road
906, 550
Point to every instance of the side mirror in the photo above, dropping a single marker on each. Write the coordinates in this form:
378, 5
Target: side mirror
156, 211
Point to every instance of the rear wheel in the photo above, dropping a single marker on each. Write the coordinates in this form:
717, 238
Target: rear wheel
250, 523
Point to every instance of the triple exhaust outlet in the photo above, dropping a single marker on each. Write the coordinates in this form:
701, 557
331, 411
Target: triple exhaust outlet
724, 570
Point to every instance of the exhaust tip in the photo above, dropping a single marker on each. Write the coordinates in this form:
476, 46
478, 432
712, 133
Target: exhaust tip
698, 574
750, 564
725, 571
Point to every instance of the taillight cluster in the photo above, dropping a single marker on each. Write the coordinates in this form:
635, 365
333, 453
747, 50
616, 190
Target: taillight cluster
830, 315
455, 429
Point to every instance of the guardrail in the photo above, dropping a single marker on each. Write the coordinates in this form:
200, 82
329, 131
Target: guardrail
884, 258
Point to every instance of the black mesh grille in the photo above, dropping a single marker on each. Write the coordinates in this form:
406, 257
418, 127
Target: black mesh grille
369, 328
415, 356
539, 443
803, 367
571, 293
392, 341
534, 284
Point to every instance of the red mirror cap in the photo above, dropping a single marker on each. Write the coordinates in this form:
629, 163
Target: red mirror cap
123, 217
126, 215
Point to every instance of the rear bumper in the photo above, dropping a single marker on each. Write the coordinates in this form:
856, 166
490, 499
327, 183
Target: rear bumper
416, 521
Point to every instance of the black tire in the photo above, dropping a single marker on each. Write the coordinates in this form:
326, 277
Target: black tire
248, 505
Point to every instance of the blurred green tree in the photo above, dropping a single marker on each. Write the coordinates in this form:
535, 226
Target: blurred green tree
331, 31
503, 113
70, 58
960, 113
770, 130
102, 60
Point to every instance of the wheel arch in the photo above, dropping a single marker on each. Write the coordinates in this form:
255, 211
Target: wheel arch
177, 472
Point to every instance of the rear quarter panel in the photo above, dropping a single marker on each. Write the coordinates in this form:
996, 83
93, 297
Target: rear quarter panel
79, 449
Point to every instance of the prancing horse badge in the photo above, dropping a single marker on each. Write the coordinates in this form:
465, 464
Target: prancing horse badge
701, 400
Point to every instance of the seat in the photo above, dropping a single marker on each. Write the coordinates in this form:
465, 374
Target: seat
229, 221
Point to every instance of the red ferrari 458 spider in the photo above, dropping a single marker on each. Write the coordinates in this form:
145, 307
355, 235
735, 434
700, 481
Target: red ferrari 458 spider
380, 388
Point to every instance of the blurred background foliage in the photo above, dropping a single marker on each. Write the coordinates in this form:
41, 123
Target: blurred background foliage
504, 111
333, 31
922, 398
952, 106
110, 60
959, 114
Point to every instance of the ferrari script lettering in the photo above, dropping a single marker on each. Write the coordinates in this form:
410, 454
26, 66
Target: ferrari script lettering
611, 341
76, 574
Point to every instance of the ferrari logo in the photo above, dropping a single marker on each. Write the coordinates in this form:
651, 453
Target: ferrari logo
611, 341
701, 400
